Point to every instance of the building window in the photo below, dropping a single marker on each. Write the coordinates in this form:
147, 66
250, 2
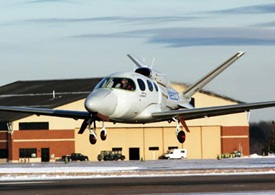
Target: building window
172, 147
3, 126
3, 153
34, 126
154, 148
27, 152
116, 149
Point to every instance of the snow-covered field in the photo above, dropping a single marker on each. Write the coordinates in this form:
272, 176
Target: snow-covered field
60, 170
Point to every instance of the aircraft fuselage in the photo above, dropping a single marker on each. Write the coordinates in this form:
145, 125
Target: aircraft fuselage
132, 102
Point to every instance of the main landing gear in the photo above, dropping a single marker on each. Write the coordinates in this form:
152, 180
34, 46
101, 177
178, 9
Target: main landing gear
179, 133
92, 130
93, 136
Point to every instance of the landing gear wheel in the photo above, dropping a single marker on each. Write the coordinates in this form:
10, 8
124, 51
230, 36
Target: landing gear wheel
181, 136
103, 135
92, 139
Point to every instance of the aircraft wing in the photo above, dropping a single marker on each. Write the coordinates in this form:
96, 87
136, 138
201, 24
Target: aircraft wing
196, 113
139, 63
190, 91
48, 112
187, 114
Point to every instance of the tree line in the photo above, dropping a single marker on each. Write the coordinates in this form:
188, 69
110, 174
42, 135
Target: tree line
262, 140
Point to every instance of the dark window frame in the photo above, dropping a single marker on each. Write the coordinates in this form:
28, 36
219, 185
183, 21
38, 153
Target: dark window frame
27, 152
117, 149
34, 126
4, 153
173, 147
154, 148
4, 126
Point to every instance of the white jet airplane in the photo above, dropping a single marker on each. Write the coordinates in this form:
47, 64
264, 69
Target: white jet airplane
143, 96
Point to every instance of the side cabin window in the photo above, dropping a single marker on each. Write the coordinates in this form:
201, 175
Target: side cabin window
156, 87
150, 85
141, 84
118, 83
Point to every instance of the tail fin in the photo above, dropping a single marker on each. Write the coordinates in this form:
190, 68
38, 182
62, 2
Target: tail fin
190, 91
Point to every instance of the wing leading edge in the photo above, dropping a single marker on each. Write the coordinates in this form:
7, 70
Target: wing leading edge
190, 91
48, 112
187, 114
196, 113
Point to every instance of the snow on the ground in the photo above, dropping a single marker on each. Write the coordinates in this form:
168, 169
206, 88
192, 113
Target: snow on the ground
77, 169
42, 171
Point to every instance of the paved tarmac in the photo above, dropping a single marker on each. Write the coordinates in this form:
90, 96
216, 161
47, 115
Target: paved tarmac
245, 176
252, 184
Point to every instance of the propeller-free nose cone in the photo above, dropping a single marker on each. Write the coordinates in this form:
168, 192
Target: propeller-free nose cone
101, 101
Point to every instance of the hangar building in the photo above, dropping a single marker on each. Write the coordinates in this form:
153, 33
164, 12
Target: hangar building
25, 137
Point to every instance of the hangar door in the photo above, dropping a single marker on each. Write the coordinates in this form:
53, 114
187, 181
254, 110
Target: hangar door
134, 154
45, 154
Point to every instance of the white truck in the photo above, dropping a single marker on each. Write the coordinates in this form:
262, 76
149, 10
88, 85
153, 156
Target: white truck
177, 154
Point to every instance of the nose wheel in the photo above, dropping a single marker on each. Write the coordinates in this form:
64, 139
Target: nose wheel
92, 137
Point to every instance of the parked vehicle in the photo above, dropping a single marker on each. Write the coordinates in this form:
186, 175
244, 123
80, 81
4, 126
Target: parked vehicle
233, 154
177, 154
75, 157
163, 156
110, 156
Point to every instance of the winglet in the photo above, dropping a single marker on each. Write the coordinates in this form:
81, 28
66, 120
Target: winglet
136, 61
190, 91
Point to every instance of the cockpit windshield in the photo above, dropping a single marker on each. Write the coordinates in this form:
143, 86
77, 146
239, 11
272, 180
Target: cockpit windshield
118, 83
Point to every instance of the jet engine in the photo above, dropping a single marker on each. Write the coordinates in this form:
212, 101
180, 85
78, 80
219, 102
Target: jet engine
154, 75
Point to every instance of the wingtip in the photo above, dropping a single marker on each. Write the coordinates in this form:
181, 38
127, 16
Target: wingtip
240, 53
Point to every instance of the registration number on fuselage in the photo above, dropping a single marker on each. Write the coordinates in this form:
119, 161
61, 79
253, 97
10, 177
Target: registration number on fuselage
173, 95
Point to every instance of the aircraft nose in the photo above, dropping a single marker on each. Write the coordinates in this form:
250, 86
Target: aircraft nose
101, 101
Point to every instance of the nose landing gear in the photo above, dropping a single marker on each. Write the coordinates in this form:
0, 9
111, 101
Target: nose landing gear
92, 136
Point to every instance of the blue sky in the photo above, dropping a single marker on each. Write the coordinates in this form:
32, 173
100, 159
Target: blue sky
56, 39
